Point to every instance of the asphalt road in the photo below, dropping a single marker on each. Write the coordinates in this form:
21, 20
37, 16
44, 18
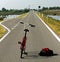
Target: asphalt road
38, 37
10, 23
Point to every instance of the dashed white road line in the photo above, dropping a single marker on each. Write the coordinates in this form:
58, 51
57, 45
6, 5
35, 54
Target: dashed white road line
18, 23
15, 25
8, 28
49, 29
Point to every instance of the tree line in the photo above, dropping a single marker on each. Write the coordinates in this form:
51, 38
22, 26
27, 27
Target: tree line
5, 11
49, 8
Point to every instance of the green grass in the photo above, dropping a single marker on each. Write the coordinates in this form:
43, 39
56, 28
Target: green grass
2, 31
22, 15
52, 23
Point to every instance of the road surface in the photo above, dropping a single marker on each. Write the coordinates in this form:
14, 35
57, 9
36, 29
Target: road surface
38, 37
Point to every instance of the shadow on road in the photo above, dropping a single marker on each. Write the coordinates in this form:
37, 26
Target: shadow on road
34, 55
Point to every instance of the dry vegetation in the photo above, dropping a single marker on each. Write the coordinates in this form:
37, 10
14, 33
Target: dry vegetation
2, 31
22, 15
53, 24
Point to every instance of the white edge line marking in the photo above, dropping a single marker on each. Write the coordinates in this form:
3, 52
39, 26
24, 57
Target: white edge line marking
9, 29
6, 33
49, 29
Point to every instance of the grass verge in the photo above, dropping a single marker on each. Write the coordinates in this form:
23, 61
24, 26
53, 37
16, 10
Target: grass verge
22, 15
2, 31
52, 23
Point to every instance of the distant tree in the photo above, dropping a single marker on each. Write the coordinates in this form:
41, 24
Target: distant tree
26, 10
51, 8
45, 8
3, 9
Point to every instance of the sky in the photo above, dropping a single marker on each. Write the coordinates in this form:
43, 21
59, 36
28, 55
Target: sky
33, 4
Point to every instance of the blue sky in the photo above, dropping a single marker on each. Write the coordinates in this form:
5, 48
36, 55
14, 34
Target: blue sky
20, 4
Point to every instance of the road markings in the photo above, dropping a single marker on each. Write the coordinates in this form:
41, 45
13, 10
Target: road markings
6, 33
8, 28
49, 29
5, 28
19, 22
15, 25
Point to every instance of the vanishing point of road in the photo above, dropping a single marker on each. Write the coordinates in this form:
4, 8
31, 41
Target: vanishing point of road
38, 37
